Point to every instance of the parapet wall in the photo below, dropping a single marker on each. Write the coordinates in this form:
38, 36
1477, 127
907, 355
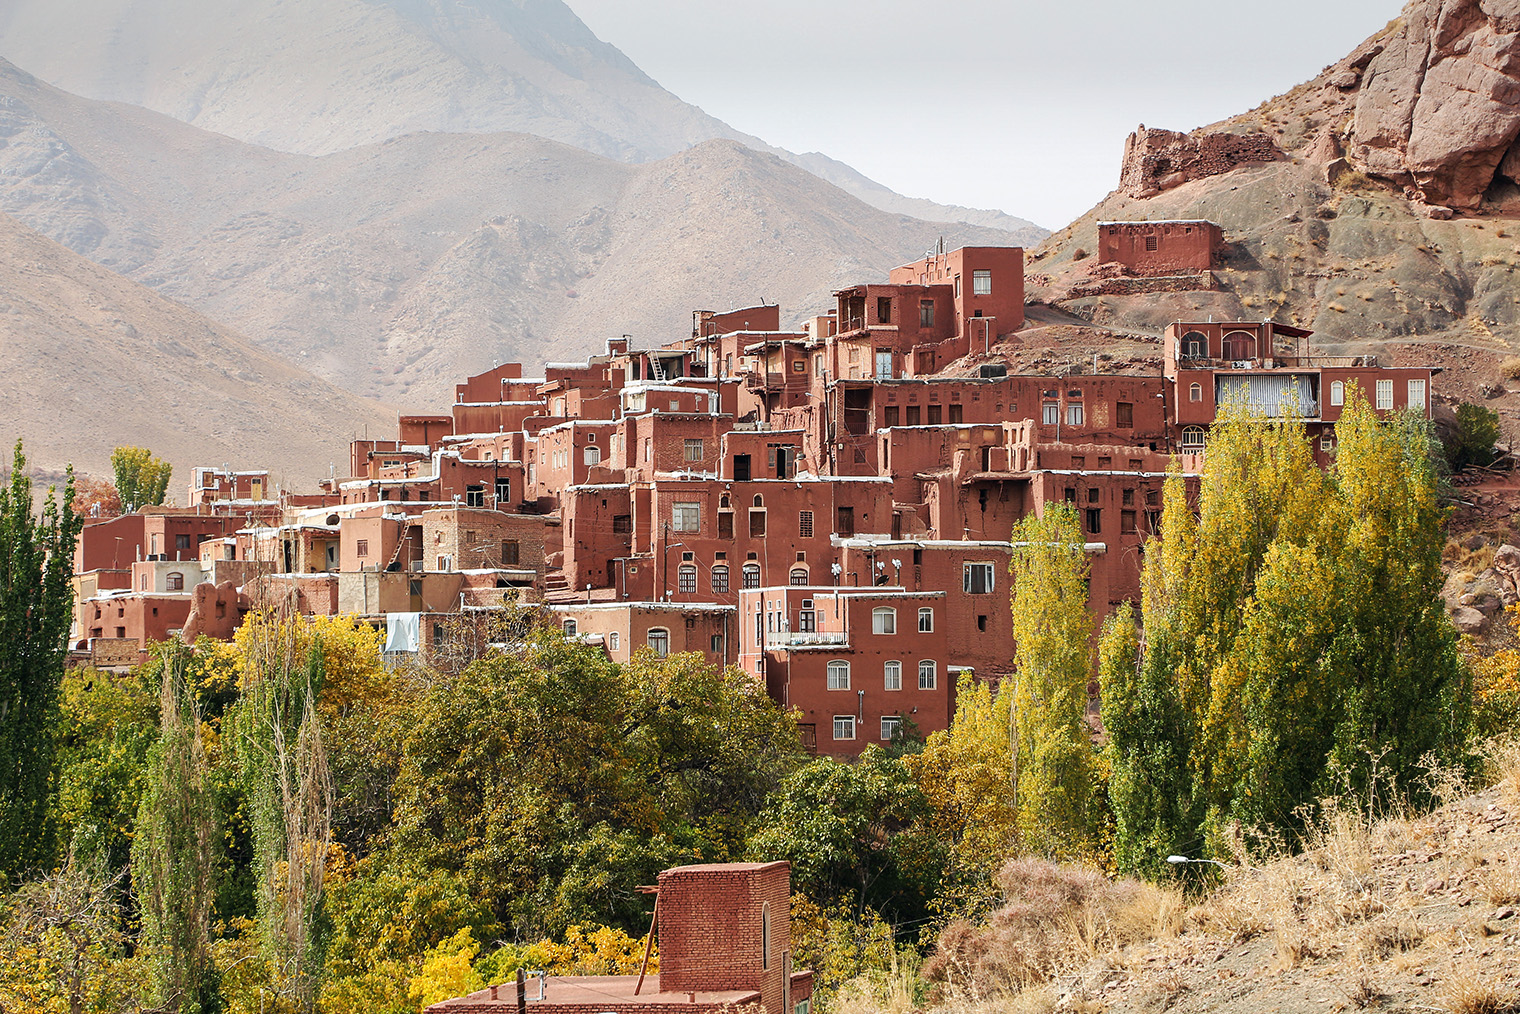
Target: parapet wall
1157, 160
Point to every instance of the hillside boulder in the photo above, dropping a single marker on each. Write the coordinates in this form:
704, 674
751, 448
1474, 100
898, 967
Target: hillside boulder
1439, 106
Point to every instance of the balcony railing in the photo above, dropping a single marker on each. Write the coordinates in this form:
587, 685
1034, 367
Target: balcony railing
806, 639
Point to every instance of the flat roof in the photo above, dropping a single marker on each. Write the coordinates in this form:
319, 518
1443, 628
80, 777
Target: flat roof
597, 991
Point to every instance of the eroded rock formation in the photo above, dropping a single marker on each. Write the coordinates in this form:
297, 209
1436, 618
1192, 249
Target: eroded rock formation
1439, 105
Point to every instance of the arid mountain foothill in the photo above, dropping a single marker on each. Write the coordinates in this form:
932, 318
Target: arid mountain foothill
565, 555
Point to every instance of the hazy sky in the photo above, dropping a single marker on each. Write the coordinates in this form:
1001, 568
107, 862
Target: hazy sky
1017, 105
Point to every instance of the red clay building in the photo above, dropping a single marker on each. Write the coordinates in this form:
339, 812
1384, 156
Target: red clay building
1181, 247
724, 931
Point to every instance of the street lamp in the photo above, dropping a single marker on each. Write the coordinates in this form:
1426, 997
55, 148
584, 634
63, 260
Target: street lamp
665, 563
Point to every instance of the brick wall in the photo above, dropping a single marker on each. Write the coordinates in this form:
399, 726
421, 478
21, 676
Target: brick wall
710, 928
1157, 160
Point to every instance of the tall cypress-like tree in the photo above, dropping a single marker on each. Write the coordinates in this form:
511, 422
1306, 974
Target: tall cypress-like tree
36, 608
1052, 745
173, 850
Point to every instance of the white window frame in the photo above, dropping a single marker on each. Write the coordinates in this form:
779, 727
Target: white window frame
891, 675
925, 620
750, 575
883, 620
844, 727
591, 455
928, 674
891, 726
987, 570
718, 575
686, 517
1074, 415
613, 640
981, 282
686, 579
796, 572
1385, 394
1050, 413
658, 639
1193, 439
1416, 400
1337, 392
838, 674
570, 627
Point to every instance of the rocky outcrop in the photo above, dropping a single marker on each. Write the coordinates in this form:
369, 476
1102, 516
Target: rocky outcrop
1439, 105
1157, 160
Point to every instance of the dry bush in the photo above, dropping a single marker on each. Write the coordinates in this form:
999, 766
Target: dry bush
1055, 917
1469, 991
1382, 938
1500, 885
1501, 757
1509, 369
1363, 991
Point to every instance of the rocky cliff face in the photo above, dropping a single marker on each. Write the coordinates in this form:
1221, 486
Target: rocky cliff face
1438, 104
1157, 160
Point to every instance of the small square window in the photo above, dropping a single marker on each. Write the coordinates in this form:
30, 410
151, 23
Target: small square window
844, 727
981, 283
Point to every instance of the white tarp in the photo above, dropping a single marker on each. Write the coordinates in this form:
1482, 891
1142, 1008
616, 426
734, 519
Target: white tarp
403, 631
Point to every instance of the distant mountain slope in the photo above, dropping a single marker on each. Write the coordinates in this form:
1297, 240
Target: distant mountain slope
321, 76
90, 361
394, 269
1346, 231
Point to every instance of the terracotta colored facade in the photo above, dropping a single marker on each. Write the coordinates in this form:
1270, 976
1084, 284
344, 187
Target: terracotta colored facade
724, 931
1160, 248
828, 508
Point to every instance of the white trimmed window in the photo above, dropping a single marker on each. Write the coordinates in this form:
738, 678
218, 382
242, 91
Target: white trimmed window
570, 628
686, 517
883, 620
613, 640
1337, 392
892, 675
1417, 395
659, 640
928, 675
686, 579
1074, 415
926, 620
891, 727
720, 578
844, 726
751, 573
981, 283
1192, 438
1385, 394
797, 576
1050, 413
977, 579
1195, 392
839, 675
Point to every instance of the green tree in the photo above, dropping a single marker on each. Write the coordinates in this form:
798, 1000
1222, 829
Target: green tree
36, 608
1052, 743
141, 479
172, 851
1472, 442
850, 833
1296, 646
286, 783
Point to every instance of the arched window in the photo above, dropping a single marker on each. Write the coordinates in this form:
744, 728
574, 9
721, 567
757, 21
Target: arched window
892, 675
1194, 345
765, 935
720, 578
1195, 392
659, 640
751, 575
1192, 438
884, 620
686, 579
176, 581
570, 628
839, 675
798, 575
925, 620
928, 676
1240, 345
592, 455
1337, 393
759, 500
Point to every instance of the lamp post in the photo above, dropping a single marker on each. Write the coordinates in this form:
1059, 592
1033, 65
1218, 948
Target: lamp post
665, 563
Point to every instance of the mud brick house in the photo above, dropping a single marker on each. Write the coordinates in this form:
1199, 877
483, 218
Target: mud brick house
826, 508
1160, 248
724, 932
